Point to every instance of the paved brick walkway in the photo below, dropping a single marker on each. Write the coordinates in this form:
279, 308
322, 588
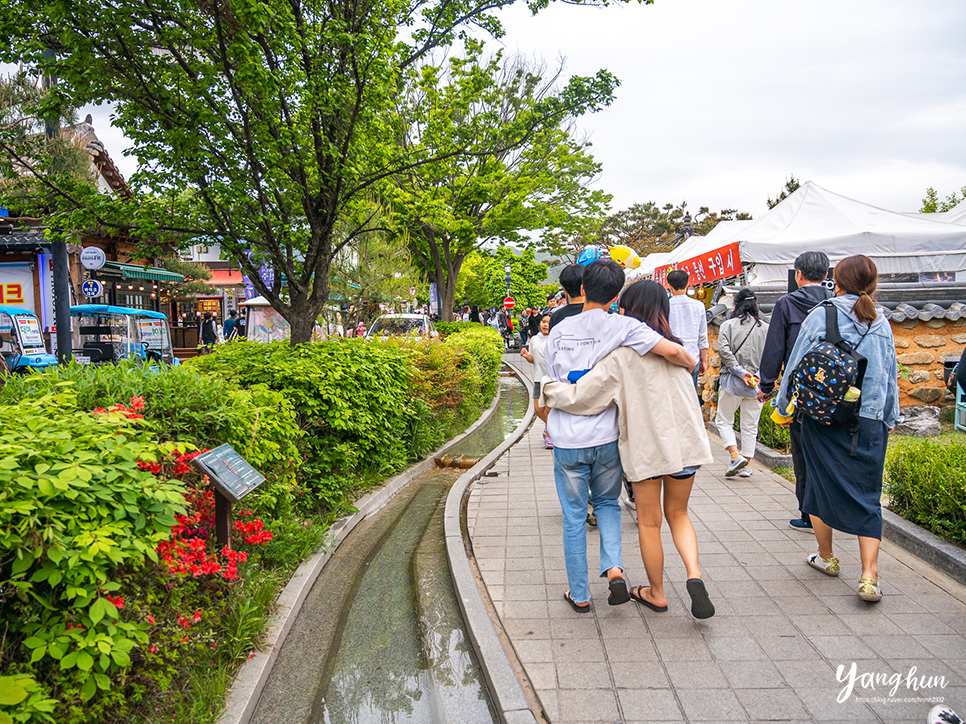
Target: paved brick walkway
769, 654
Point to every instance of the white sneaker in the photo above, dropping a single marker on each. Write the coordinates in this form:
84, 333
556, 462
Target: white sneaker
828, 566
745, 472
942, 714
736, 464
628, 503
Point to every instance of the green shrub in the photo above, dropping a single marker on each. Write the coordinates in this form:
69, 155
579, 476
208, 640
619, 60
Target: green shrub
181, 405
353, 403
926, 481
484, 356
771, 434
75, 507
447, 328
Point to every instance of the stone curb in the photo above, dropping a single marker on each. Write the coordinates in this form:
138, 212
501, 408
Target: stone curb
251, 678
765, 455
927, 546
508, 697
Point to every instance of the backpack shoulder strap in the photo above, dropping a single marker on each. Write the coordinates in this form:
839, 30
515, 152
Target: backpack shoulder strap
832, 334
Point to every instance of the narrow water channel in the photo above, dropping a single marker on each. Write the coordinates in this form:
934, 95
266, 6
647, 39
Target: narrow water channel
380, 638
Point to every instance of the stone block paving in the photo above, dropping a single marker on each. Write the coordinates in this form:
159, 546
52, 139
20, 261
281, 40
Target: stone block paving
771, 652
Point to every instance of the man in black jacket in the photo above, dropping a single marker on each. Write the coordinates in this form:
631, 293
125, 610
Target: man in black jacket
790, 311
571, 278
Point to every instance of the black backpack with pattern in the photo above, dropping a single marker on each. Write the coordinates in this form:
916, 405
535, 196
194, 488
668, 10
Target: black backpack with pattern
825, 374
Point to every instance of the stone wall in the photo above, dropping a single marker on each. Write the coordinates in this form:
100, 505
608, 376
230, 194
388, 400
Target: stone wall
921, 347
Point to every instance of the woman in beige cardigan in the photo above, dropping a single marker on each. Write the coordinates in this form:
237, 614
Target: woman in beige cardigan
662, 441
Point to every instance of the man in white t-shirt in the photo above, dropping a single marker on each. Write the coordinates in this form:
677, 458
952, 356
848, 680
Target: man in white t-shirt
586, 461
689, 321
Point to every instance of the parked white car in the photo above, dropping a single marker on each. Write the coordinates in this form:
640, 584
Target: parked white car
393, 325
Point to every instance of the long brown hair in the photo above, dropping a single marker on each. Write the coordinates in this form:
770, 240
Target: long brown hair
858, 275
647, 301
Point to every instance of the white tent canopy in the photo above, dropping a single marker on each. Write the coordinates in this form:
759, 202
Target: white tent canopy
956, 215
813, 219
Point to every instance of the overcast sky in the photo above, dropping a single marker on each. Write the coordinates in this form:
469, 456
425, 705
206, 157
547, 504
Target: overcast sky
721, 100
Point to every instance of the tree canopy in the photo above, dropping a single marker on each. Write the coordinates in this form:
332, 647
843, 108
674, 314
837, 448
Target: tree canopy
648, 228
277, 115
932, 204
525, 169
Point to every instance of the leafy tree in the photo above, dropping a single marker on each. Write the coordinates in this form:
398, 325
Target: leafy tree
483, 281
374, 268
278, 115
31, 160
526, 170
791, 186
648, 229
931, 203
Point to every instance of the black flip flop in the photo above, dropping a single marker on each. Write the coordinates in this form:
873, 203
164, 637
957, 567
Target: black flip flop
618, 592
701, 606
643, 601
573, 604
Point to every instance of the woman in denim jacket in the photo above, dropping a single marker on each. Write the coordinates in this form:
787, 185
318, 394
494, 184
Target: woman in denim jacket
848, 487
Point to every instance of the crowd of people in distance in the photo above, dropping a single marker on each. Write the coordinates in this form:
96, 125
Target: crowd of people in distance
620, 397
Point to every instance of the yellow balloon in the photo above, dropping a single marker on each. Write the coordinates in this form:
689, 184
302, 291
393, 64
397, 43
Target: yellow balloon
625, 256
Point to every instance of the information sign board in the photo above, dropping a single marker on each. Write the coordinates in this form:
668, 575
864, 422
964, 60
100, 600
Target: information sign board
231, 474
92, 288
29, 330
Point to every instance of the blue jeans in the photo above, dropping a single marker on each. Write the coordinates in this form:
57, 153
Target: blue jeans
579, 472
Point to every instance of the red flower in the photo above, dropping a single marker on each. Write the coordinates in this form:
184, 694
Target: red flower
116, 600
151, 619
137, 403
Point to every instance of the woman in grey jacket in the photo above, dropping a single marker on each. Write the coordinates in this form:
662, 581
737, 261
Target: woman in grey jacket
741, 341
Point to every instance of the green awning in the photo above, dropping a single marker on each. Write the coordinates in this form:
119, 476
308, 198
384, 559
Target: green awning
132, 271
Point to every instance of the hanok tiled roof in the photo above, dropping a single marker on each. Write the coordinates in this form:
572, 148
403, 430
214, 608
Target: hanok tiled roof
23, 241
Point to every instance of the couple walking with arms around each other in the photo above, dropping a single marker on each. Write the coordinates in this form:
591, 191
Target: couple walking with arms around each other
623, 400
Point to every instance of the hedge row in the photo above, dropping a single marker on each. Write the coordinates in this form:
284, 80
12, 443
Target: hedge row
926, 481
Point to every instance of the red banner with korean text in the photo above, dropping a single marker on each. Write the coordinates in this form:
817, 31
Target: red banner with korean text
708, 267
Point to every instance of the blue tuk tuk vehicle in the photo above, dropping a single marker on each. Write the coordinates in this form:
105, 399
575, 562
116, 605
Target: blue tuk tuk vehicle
21, 342
109, 334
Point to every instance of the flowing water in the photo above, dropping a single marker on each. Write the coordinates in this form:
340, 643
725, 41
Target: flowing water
380, 638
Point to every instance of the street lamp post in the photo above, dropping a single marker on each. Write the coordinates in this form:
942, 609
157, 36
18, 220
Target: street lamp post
506, 269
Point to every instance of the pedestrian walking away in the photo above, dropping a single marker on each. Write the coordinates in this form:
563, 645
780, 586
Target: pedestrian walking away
536, 355
790, 311
662, 440
586, 458
845, 460
571, 278
741, 340
689, 322
230, 324
209, 333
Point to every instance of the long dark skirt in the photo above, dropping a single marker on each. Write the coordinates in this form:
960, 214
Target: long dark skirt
843, 490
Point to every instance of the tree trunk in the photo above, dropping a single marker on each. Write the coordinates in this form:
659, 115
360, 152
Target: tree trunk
448, 289
302, 326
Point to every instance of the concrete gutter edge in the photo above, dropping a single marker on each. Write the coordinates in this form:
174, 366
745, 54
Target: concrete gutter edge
253, 675
926, 546
508, 697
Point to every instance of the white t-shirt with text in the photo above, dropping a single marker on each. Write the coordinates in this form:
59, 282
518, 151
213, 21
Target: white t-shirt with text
576, 344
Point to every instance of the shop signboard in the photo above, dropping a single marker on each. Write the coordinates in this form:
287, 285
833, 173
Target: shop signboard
17, 285
708, 267
92, 257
